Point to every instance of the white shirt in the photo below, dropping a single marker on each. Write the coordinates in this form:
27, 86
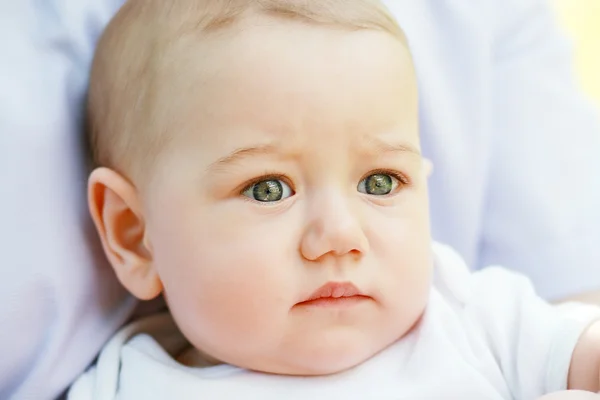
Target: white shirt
483, 336
514, 143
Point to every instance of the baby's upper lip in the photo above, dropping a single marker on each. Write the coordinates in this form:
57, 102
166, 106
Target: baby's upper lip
335, 290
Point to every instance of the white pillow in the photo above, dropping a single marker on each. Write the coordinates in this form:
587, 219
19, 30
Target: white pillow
60, 301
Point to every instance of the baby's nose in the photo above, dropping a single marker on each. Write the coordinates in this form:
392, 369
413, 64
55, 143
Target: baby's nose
334, 228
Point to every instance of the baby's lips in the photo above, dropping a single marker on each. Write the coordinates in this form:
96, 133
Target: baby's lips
335, 290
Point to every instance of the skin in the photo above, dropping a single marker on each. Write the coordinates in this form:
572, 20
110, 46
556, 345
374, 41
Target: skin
318, 110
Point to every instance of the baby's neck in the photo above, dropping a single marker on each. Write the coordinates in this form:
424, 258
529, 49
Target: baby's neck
192, 357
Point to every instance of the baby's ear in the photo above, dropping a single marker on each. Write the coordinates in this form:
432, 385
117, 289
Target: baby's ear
116, 210
427, 167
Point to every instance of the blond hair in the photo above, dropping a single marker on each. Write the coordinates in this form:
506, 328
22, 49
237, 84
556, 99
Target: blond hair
124, 90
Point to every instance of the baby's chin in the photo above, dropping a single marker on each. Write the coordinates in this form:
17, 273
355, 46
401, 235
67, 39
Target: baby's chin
328, 366
324, 358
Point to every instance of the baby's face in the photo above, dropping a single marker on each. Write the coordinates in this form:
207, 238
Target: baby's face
296, 173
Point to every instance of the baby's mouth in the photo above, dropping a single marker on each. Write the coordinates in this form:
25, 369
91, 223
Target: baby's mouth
335, 294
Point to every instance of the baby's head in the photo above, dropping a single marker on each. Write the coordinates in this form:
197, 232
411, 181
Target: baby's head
257, 155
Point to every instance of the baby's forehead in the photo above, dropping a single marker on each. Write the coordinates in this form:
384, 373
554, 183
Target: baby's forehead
306, 82
252, 81
155, 54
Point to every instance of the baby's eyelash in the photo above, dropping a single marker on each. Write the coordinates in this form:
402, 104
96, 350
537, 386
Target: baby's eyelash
403, 179
266, 177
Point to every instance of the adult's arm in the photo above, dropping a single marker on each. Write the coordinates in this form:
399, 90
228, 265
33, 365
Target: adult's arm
59, 301
542, 215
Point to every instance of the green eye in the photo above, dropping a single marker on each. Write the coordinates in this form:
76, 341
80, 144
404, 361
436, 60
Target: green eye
378, 184
268, 191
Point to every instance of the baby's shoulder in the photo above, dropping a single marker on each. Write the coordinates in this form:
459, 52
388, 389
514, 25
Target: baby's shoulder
495, 313
494, 286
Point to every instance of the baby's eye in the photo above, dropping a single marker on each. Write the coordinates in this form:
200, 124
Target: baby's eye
268, 191
379, 184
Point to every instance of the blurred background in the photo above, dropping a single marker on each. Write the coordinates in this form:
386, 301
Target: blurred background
581, 19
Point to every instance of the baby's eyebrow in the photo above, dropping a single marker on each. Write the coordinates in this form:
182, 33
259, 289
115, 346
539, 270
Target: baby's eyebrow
379, 145
375, 144
242, 153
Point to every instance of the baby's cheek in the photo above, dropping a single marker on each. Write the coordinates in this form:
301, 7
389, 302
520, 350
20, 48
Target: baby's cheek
229, 294
405, 267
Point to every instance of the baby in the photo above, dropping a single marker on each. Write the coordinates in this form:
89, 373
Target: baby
259, 166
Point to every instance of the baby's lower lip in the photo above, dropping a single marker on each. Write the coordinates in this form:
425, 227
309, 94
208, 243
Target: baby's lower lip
334, 302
